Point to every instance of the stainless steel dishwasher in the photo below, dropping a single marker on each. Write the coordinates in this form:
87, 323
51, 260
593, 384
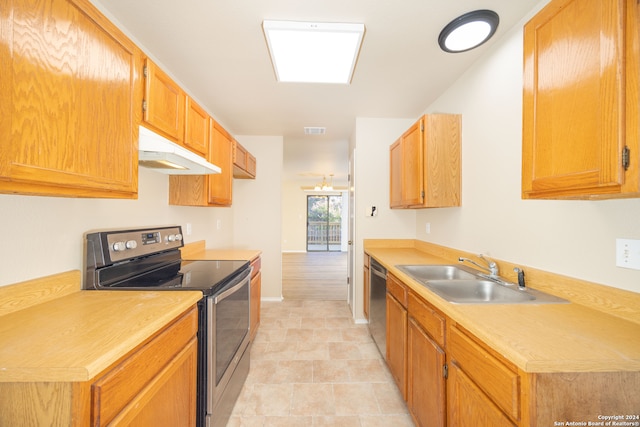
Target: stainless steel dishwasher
378, 305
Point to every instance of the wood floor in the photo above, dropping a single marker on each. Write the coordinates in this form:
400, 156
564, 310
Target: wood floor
314, 276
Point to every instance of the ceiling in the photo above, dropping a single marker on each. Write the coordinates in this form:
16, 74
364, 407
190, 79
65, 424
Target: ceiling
217, 51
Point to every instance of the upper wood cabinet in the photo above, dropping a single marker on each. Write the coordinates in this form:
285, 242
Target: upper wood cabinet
425, 164
244, 163
164, 103
196, 130
69, 81
221, 154
207, 190
580, 100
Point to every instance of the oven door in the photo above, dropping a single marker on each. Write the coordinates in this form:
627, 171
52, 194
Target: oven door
227, 337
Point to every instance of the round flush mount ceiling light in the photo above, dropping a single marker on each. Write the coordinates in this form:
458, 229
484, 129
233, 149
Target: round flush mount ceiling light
468, 31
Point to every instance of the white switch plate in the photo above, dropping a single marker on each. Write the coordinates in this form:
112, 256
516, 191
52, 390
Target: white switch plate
427, 228
628, 253
188, 229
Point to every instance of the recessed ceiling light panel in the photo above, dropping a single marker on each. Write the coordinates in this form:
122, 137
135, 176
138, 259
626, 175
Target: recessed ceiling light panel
313, 52
468, 31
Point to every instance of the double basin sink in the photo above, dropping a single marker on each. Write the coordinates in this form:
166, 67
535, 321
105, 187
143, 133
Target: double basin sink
462, 285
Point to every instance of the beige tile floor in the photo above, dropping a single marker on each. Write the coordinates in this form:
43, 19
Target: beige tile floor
311, 365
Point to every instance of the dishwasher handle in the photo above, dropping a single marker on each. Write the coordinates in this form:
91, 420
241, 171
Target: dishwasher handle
378, 270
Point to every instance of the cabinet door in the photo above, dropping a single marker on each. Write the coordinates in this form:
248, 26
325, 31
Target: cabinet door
69, 81
395, 178
255, 303
221, 154
426, 397
412, 166
366, 293
196, 132
468, 405
397, 343
170, 398
164, 103
573, 100
442, 176
148, 375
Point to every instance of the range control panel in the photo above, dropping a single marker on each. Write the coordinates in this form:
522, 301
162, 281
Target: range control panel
126, 244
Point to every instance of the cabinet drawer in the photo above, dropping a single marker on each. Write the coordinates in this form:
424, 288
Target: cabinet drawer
429, 319
396, 288
500, 382
113, 391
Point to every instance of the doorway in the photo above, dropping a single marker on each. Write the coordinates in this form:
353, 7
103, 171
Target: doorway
324, 223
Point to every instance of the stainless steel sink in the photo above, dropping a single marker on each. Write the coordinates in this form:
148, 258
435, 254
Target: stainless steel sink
461, 285
478, 291
438, 272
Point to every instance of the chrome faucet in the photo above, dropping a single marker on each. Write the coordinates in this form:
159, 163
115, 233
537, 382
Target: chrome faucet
491, 267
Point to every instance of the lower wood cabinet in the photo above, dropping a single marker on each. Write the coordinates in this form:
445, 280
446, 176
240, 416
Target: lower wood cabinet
365, 287
426, 397
449, 377
153, 385
468, 405
425, 378
255, 293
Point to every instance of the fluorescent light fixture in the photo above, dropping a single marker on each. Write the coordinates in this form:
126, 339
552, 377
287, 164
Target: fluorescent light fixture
313, 52
468, 31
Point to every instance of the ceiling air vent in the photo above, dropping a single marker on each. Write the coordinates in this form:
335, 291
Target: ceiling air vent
314, 130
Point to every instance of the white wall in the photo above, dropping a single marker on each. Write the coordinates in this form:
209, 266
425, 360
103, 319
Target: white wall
371, 180
573, 238
44, 235
258, 210
294, 217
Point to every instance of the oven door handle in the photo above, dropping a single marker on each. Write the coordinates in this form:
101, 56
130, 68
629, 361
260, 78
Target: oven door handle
231, 290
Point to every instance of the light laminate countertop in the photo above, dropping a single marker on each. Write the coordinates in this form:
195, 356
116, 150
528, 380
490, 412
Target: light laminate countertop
536, 338
76, 336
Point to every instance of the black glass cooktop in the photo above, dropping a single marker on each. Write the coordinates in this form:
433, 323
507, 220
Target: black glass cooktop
207, 276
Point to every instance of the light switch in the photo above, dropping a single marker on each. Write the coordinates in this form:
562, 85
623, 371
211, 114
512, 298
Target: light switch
628, 253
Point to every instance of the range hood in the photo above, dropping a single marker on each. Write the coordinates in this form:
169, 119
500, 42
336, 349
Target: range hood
162, 155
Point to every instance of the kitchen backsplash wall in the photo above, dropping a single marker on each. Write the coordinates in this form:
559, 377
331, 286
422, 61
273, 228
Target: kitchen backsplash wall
44, 235
573, 238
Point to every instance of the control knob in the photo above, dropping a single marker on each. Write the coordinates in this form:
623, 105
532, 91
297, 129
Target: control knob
119, 246
178, 237
131, 244
171, 237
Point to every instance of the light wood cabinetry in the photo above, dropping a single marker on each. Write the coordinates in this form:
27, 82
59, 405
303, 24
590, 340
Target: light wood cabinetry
255, 292
164, 103
483, 382
425, 167
69, 81
207, 190
397, 332
365, 286
468, 405
197, 128
244, 163
580, 100
154, 384
426, 397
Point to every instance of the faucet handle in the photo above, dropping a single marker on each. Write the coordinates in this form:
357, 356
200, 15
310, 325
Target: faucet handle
521, 283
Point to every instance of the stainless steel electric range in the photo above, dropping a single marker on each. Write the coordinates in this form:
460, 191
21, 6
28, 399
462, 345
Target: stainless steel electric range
150, 259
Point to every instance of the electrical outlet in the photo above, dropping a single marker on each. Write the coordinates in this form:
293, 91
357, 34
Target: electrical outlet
628, 253
188, 229
427, 228
218, 224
